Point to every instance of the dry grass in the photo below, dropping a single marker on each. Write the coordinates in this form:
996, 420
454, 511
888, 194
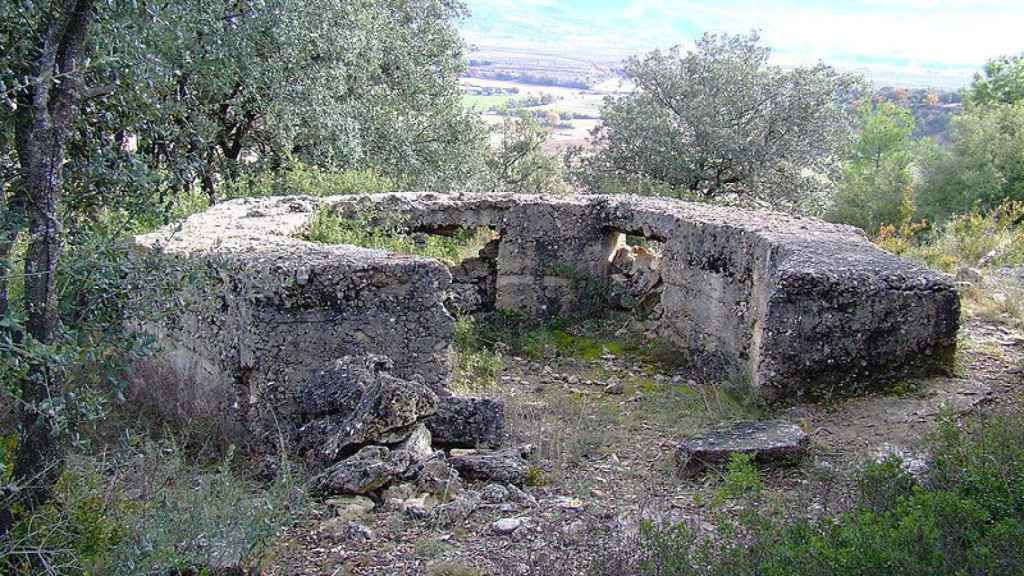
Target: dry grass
1000, 303
578, 426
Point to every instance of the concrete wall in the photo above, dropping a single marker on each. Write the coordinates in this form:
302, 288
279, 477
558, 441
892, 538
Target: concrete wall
797, 306
243, 312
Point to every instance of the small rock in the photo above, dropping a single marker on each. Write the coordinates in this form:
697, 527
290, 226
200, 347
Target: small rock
417, 445
458, 510
342, 529
402, 491
768, 441
969, 275
494, 493
506, 525
567, 503
418, 507
521, 496
351, 507
615, 388
507, 508
574, 529
439, 478
358, 532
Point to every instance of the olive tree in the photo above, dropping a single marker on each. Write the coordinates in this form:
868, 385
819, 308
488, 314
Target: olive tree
335, 83
720, 120
46, 47
518, 162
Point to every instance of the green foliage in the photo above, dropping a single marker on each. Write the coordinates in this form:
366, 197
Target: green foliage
1002, 82
8, 448
876, 184
519, 163
994, 239
709, 123
741, 479
94, 345
883, 485
149, 510
998, 235
378, 232
536, 477
967, 517
477, 363
298, 178
337, 85
982, 169
984, 463
524, 336
202, 518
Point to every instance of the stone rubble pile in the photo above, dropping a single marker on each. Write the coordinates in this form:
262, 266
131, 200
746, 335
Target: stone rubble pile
636, 271
374, 437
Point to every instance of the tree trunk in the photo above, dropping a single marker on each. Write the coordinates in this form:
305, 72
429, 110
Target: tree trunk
45, 115
208, 185
12, 220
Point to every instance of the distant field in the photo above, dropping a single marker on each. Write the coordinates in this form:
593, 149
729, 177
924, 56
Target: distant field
568, 100
479, 102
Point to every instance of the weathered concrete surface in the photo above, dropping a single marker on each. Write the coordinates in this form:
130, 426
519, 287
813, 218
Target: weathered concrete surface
244, 313
796, 306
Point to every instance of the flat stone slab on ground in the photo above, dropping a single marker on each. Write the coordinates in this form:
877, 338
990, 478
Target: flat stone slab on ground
768, 441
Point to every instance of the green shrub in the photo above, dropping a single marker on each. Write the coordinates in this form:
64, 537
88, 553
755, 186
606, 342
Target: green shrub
298, 178
882, 485
982, 168
741, 478
151, 511
972, 237
993, 239
376, 231
477, 364
877, 178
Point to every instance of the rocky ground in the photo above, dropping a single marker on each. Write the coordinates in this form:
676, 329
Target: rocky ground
603, 431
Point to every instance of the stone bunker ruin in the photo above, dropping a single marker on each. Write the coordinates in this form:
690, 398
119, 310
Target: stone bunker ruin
796, 306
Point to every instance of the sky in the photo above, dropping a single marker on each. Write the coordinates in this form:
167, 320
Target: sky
901, 42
